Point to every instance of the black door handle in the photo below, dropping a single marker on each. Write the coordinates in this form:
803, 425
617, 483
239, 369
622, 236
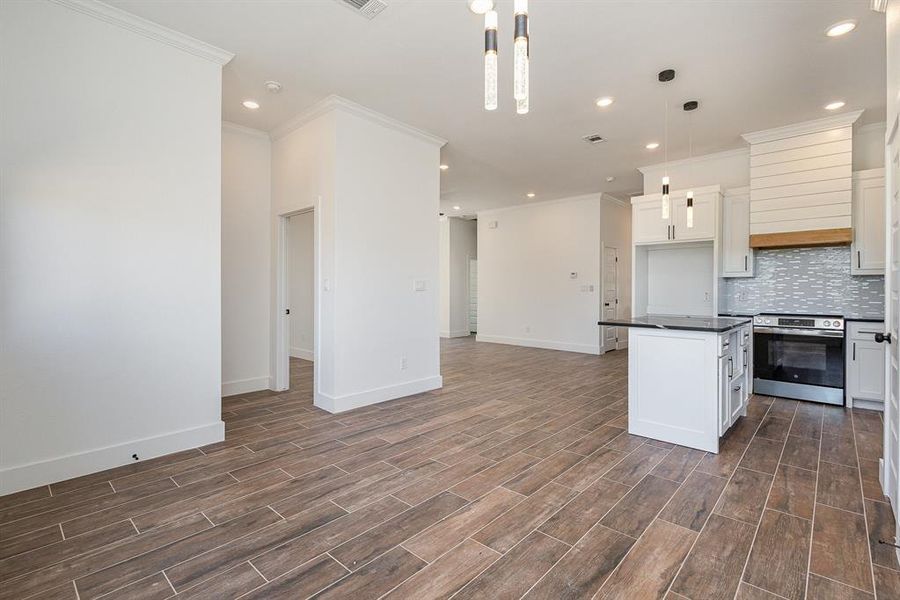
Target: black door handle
883, 337
606, 304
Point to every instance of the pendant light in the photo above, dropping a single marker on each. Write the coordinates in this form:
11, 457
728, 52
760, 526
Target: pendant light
490, 60
520, 56
665, 77
689, 107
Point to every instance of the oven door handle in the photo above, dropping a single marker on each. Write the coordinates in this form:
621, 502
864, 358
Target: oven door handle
806, 332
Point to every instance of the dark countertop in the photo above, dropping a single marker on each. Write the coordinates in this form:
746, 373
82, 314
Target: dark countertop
712, 324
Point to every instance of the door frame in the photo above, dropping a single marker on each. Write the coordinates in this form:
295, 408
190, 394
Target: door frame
603, 248
281, 351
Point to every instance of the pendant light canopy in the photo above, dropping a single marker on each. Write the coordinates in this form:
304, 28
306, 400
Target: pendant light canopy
520, 56
490, 60
665, 77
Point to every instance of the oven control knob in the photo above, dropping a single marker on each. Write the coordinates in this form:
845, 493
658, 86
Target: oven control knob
837, 324
768, 321
827, 323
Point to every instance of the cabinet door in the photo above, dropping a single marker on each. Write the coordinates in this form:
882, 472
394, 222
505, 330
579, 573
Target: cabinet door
737, 258
868, 224
865, 371
705, 215
724, 395
647, 222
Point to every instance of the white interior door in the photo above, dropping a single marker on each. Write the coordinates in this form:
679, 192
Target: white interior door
891, 468
610, 296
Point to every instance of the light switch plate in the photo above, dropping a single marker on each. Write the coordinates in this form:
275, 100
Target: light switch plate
419, 285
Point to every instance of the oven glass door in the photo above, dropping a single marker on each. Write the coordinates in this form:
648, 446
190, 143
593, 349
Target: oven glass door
792, 358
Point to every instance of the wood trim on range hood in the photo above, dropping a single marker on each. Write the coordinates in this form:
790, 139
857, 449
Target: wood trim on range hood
796, 239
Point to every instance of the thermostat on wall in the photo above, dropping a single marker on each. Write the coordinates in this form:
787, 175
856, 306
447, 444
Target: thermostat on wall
492, 224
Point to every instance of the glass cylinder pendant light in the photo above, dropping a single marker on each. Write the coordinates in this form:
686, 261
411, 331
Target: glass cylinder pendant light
689, 107
665, 76
490, 60
520, 56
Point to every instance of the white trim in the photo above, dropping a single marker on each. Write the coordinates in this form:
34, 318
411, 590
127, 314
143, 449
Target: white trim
23, 477
148, 29
877, 173
303, 353
598, 196
244, 386
235, 128
456, 334
545, 344
697, 159
338, 404
824, 124
334, 102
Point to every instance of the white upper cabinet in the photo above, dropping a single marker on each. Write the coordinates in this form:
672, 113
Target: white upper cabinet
868, 223
705, 216
648, 226
737, 257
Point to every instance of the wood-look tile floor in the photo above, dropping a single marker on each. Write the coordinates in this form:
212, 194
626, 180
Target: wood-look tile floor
515, 480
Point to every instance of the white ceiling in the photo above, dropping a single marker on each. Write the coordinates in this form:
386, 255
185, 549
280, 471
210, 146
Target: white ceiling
753, 64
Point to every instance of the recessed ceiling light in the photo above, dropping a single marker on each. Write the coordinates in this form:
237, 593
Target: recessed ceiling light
839, 29
273, 86
455, 208
444, 167
530, 194
605, 101
652, 146
251, 104
835, 105
479, 7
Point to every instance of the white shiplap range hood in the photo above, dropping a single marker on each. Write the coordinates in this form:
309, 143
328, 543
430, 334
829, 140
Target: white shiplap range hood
800, 183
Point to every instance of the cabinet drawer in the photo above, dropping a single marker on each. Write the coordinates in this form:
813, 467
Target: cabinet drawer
863, 331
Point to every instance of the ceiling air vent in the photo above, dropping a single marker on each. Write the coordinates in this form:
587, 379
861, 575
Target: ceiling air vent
594, 139
367, 8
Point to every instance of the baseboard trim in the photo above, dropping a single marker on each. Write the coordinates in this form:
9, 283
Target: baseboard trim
23, 477
244, 386
545, 344
302, 353
338, 404
455, 334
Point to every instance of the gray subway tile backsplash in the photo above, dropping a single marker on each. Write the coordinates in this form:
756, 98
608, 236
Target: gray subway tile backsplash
805, 280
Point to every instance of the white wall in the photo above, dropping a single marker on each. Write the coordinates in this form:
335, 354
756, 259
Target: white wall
246, 256
375, 184
459, 243
525, 293
110, 299
731, 169
301, 286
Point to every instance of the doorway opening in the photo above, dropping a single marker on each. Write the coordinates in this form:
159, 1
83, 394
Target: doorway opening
296, 350
473, 296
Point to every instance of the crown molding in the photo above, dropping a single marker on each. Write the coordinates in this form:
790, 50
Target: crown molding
815, 126
235, 128
334, 102
148, 29
696, 159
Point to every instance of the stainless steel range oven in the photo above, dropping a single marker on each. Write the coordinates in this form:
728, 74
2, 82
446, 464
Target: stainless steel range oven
799, 356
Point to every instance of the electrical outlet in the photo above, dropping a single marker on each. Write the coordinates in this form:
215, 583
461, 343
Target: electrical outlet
706, 296
528, 329
403, 363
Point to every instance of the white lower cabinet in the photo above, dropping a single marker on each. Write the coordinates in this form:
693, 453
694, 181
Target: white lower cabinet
686, 387
864, 381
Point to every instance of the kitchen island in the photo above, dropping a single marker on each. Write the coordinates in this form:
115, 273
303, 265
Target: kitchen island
688, 377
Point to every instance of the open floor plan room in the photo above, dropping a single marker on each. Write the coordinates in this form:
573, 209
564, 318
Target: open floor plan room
456, 299
517, 479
